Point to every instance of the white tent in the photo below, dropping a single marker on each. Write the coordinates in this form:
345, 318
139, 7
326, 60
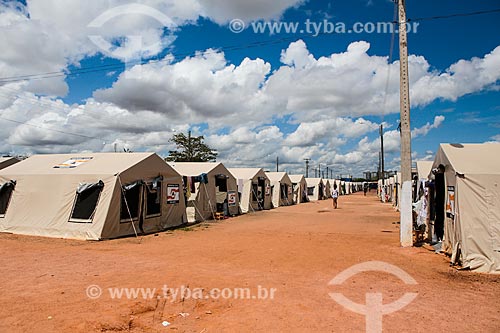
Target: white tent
471, 190
424, 169
315, 189
7, 161
281, 188
299, 188
254, 189
348, 188
328, 189
216, 192
90, 196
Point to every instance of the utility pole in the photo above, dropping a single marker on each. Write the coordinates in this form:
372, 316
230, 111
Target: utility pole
307, 166
406, 236
277, 164
319, 167
382, 153
327, 171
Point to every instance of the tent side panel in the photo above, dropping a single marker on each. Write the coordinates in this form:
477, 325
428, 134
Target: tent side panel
42, 206
477, 221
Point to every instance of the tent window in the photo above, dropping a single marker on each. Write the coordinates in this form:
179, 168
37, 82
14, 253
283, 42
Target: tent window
153, 199
310, 190
87, 197
5, 195
130, 201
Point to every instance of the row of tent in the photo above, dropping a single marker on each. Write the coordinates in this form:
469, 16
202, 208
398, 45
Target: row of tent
109, 195
457, 198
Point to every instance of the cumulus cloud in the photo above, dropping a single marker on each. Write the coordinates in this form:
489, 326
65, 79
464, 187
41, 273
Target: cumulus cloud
326, 101
43, 36
422, 131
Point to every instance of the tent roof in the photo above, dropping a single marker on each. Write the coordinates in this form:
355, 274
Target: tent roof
244, 173
101, 163
471, 158
296, 178
193, 168
423, 168
276, 176
313, 181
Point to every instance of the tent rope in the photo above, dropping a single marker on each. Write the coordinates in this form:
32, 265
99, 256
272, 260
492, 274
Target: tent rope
209, 201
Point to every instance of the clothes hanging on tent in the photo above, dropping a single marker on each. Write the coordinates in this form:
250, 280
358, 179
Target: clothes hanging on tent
192, 185
220, 197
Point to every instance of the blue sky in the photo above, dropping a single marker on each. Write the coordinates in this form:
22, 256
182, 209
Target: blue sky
147, 109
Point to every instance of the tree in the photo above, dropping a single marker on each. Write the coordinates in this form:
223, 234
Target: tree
191, 149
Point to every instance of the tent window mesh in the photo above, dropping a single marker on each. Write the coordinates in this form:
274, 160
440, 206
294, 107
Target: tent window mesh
86, 204
130, 200
5, 195
153, 200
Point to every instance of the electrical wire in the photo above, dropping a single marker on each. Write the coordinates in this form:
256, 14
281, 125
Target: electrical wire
101, 68
440, 17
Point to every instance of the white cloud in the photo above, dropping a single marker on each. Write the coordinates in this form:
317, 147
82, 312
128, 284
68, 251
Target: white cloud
45, 36
422, 131
328, 98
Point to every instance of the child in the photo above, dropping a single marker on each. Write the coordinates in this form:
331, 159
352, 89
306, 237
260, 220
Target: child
335, 195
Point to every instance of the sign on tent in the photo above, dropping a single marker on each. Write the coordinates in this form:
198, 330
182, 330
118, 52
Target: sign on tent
231, 198
173, 194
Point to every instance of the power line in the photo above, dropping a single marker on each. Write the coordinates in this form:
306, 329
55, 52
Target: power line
439, 17
50, 129
100, 68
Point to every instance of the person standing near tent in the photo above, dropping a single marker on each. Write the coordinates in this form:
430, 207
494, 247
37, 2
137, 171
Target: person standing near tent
335, 196
365, 188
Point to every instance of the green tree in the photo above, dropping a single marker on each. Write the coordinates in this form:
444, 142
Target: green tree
191, 149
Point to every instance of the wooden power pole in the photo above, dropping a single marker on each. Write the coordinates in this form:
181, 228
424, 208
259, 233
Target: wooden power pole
406, 235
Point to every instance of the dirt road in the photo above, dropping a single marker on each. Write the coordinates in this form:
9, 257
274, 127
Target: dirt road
293, 252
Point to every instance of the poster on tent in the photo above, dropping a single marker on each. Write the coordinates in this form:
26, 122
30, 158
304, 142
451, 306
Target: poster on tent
72, 162
231, 198
268, 189
450, 203
290, 190
173, 194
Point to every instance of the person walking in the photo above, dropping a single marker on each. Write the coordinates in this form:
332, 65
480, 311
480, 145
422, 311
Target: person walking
335, 196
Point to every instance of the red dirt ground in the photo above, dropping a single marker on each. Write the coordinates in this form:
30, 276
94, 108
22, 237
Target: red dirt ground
296, 250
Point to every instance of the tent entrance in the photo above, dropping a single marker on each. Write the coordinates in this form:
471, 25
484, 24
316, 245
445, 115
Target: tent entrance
221, 194
284, 194
131, 202
6, 190
261, 193
439, 203
153, 199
